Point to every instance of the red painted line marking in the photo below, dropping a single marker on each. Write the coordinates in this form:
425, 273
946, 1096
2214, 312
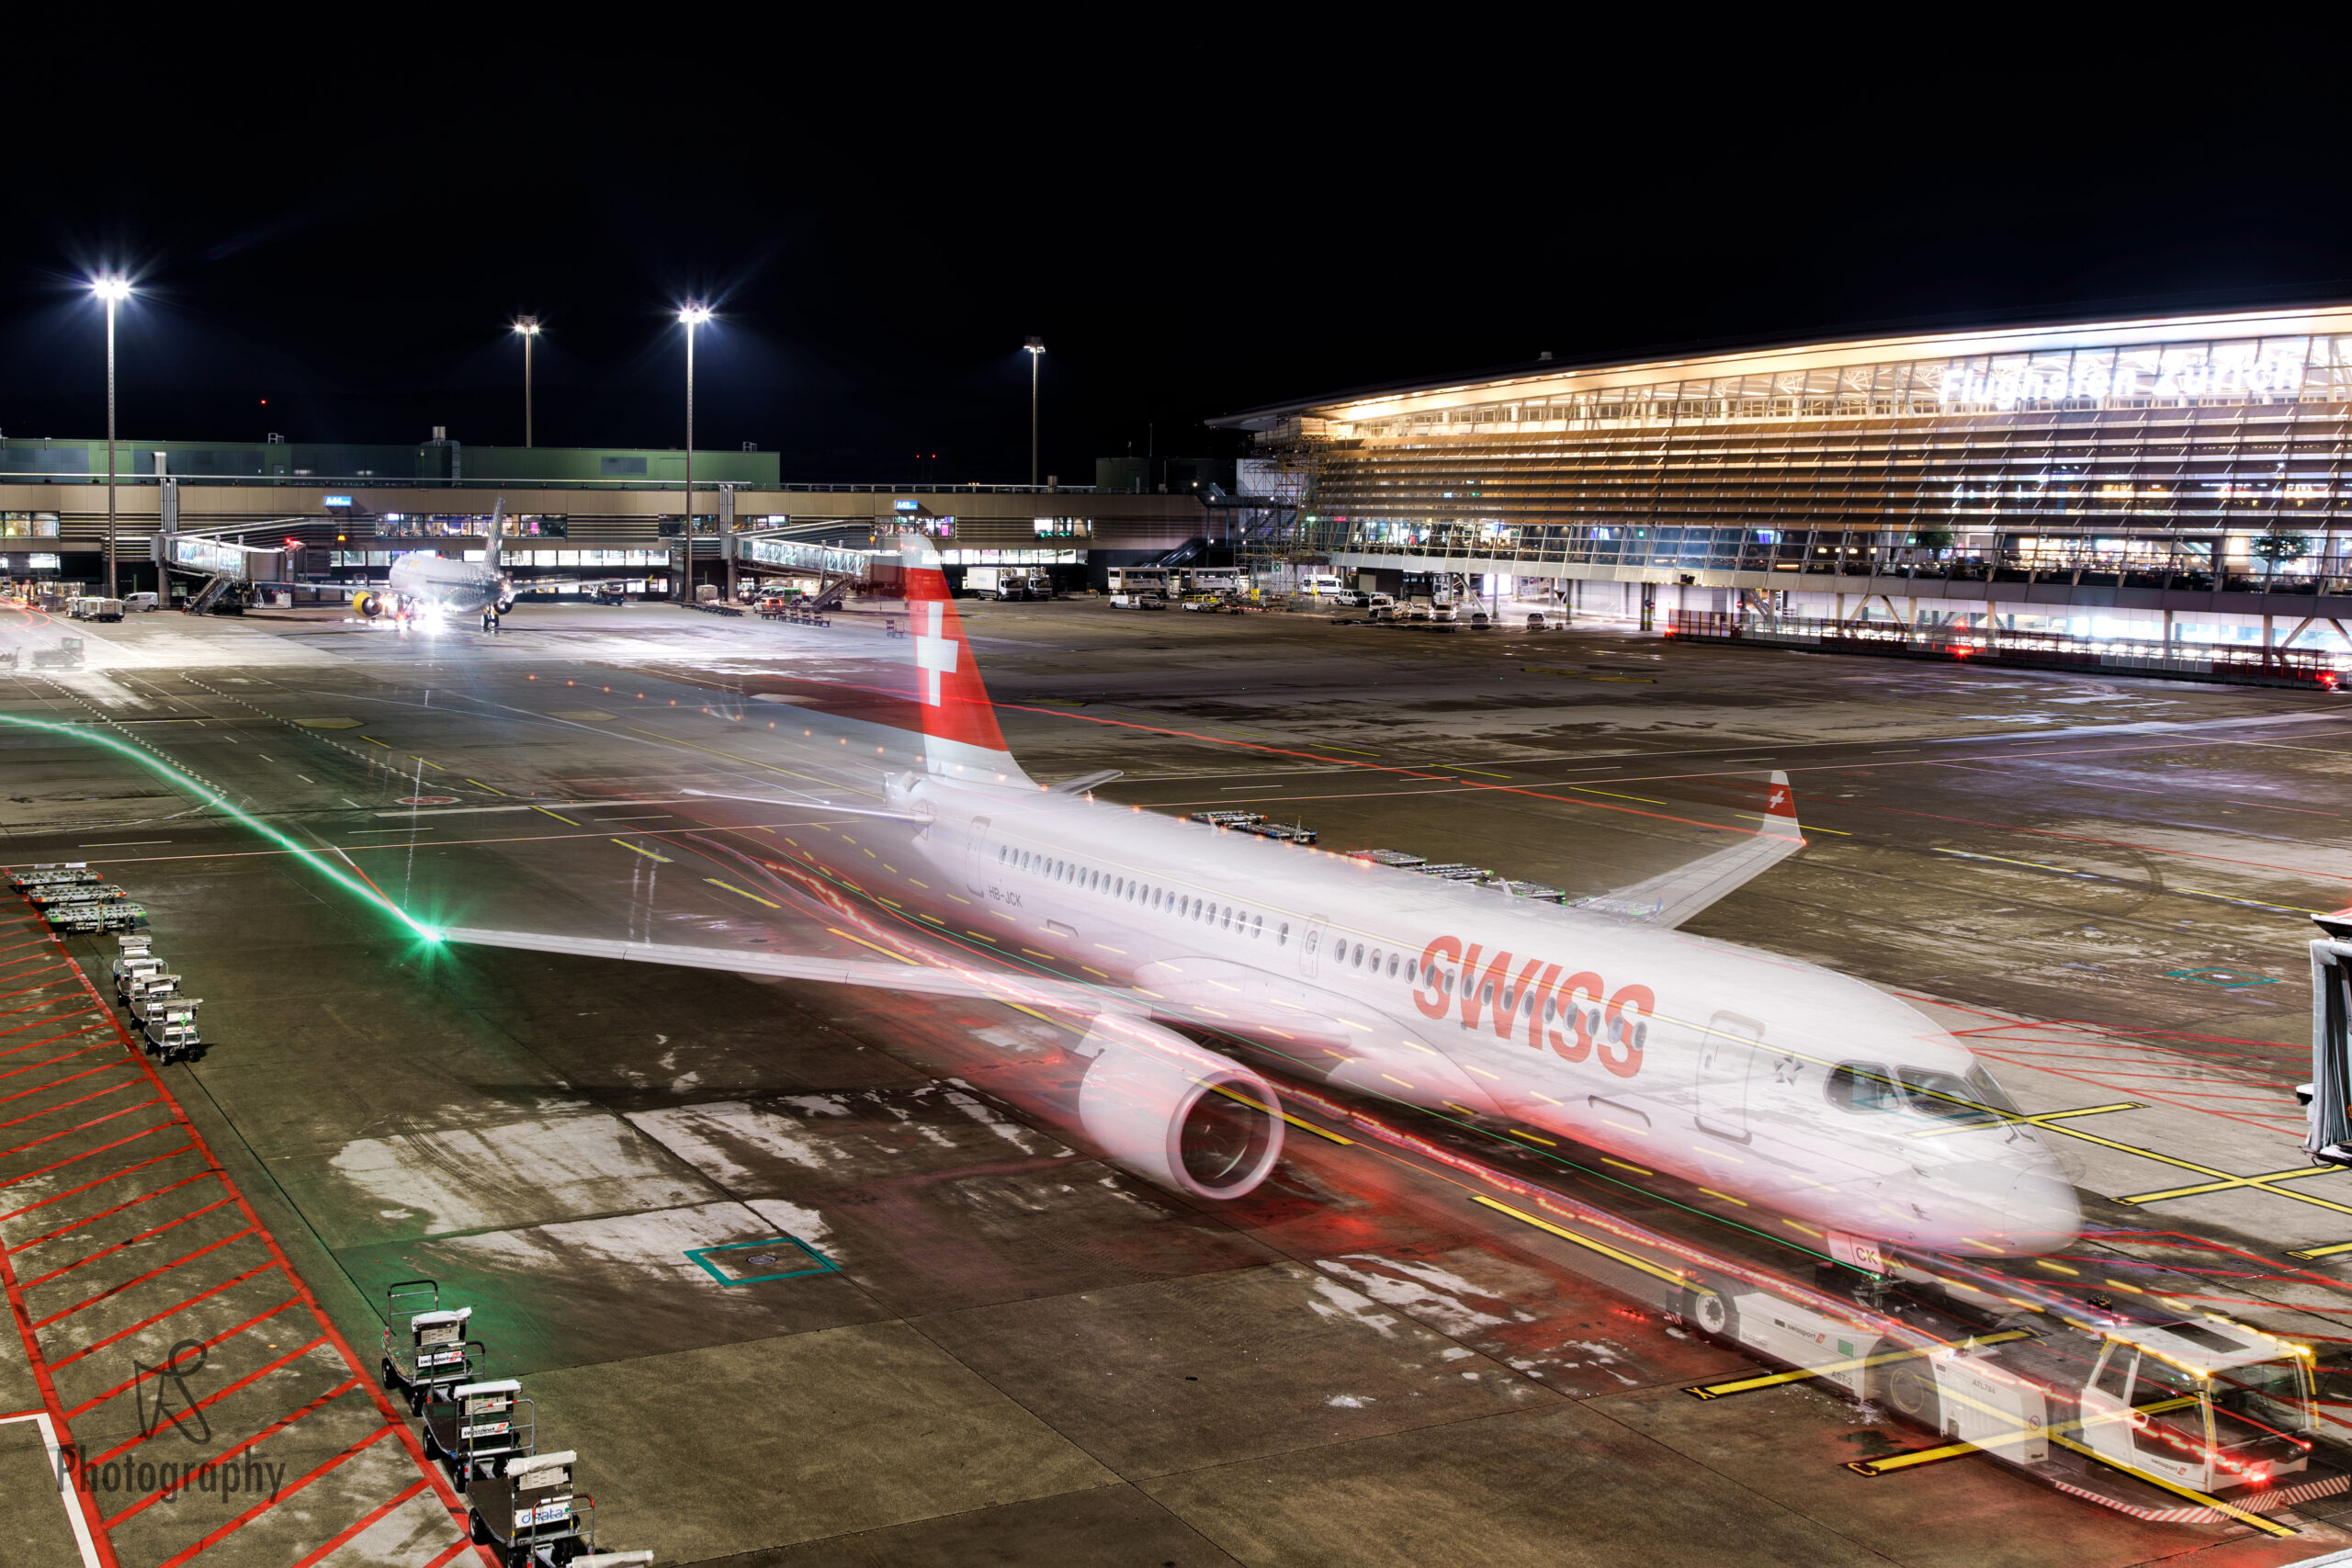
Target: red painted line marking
50, 1040
113, 1291
36, 1023
452, 1551
396, 1421
45, 1001
45, 1382
69, 1132
69, 1104
223, 1336
41, 986
215, 1398
105, 1214
59, 1083
91, 1154
118, 1247
233, 1450
52, 1061
358, 1526
167, 1312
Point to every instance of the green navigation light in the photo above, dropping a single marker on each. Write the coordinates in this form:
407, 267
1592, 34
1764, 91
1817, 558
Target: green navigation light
171, 775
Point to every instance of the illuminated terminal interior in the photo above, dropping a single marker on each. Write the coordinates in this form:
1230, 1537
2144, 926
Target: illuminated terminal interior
2178, 479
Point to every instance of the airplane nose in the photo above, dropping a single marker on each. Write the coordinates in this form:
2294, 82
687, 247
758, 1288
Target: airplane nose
2042, 1213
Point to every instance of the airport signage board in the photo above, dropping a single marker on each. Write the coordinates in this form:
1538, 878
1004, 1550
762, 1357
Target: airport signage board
335, 501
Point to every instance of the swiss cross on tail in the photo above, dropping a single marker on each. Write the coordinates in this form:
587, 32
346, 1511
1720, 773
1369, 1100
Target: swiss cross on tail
961, 740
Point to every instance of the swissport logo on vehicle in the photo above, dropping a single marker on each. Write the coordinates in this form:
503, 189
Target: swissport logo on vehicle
1569, 1016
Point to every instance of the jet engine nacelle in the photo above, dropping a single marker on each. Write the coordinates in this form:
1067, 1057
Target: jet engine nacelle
1150, 1099
505, 599
368, 604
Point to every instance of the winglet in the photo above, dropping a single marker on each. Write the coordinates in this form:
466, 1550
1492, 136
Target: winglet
1672, 897
1781, 809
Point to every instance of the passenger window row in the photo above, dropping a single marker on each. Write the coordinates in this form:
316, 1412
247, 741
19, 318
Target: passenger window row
1182, 906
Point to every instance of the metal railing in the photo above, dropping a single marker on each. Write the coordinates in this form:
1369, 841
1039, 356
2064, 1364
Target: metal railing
2321, 669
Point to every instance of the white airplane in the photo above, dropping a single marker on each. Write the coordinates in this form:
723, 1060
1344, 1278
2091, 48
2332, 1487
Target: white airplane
423, 582
1780, 1083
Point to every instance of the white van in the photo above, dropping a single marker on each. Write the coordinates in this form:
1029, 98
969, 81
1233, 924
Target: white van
1320, 587
139, 602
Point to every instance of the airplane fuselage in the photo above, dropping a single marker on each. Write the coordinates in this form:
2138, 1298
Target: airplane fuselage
457, 587
1771, 1081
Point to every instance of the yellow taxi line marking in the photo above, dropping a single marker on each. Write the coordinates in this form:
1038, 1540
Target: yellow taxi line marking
1614, 795
1627, 1258
1885, 1357
2039, 1118
863, 943
649, 855
671, 740
2230, 1182
743, 892
479, 784
1620, 1164
1808, 827
373, 741
1547, 1142
1304, 1127
565, 820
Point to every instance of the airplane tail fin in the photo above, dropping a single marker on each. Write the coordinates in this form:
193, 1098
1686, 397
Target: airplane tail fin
961, 740
1672, 897
497, 526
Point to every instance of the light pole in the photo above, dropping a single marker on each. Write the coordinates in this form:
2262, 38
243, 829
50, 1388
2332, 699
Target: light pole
113, 291
691, 315
1036, 351
528, 326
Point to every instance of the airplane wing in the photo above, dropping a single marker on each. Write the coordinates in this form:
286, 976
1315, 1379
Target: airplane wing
1020, 990
1671, 897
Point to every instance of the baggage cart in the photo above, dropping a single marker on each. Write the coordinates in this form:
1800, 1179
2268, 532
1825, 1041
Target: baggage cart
430, 1352
531, 1514
478, 1428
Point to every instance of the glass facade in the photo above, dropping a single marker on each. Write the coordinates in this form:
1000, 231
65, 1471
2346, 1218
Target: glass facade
2188, 459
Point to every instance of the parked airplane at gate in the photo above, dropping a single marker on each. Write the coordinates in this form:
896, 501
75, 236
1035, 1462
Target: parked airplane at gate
1780, 1083
423, 580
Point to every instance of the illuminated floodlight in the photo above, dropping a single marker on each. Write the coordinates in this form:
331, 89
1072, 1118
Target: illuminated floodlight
694, 315
111, 288
527, 325
1035, 345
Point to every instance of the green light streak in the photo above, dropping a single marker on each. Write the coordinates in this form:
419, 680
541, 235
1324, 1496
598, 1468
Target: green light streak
179, 780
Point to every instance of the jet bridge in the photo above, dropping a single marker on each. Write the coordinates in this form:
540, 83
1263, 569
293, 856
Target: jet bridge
200, 557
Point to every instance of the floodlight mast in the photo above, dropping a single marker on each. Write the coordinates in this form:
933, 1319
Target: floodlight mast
1036, 348
528, 328
112, 290
691, 315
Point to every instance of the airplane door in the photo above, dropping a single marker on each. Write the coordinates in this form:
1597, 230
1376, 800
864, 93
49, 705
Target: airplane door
1724, 1056
1307, 945
977, 878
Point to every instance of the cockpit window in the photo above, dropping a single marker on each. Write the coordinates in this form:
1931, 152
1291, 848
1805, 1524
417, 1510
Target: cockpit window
1946, 1096
1862, 1085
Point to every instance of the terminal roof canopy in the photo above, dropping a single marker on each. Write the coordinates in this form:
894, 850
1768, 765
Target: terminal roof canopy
2268, 354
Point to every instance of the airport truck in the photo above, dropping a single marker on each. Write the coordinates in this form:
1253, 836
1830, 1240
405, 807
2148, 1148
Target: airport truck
2114, 1391
2142, 1413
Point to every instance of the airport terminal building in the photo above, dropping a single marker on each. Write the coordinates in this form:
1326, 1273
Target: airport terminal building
295, 512
2180, 478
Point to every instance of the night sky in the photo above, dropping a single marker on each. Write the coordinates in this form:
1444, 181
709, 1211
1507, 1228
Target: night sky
1201, 215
